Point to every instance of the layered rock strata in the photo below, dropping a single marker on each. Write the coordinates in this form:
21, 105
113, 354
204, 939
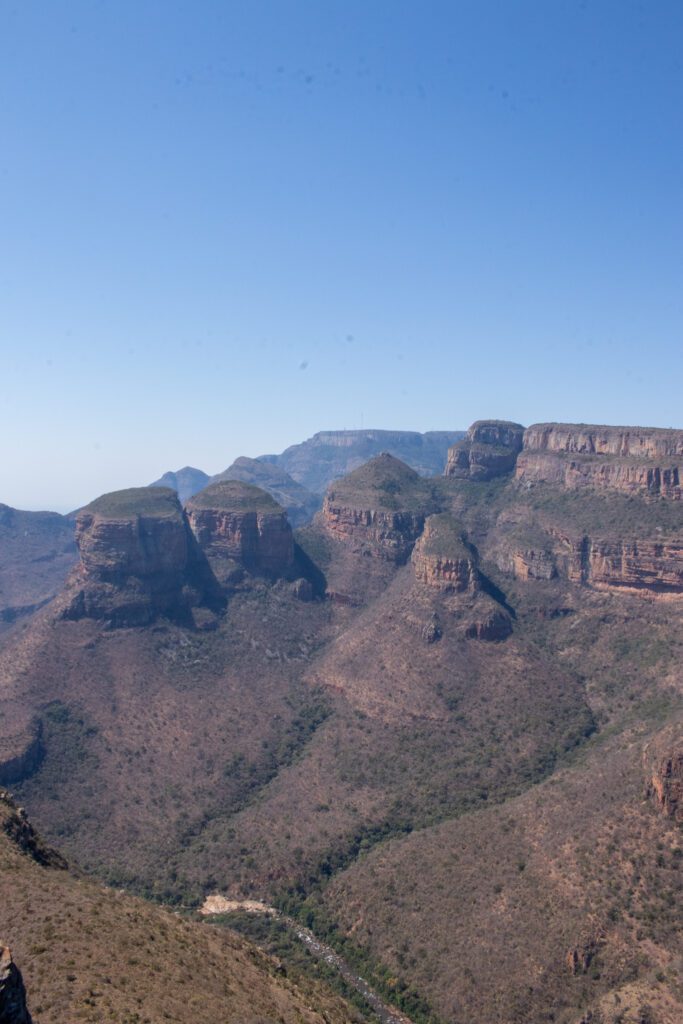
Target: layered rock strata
546, 551
663, 765
489, 450
138, 559
442, 559
379, 508
239, 526
298, 502
630, 459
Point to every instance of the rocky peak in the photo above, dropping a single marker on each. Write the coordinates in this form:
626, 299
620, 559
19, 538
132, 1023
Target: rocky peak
13, 1008
490, 449
379, 507
299, 503
138, 559
441, 557
239, 526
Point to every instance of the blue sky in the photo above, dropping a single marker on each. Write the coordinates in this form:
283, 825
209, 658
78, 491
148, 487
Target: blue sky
228, 225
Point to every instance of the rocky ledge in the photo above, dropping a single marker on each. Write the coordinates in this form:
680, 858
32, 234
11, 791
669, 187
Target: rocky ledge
489, 450
238, 526
441, 558
138, 560
379, 509
545, 550
635, 460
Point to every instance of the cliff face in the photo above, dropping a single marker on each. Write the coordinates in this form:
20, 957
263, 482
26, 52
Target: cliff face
138, 559
379, 508
628, 459
12, 992
663, 767
238, 526
331, 454
441, 558
545, 550
490, 449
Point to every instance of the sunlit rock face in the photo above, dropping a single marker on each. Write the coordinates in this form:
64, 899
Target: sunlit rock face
489, 450
138, 559
379, 508
634, 460
238, 526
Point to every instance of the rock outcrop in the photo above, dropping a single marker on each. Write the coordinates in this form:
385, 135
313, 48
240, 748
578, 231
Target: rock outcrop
379, 509
13, 1008
237, 527
442, 559
663, 765
489, 450
542, 549
634, 460
139, 559
298, 502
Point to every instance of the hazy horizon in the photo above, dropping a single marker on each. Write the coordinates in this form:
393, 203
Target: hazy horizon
228, 226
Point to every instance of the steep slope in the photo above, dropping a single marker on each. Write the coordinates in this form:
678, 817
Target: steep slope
491, 651
332, 454
37, 550
239, 526
90, 953
138, 560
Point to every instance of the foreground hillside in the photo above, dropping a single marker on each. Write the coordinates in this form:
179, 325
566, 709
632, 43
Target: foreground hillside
440, 723
93, 954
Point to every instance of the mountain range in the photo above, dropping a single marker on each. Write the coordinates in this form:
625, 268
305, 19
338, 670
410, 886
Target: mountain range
438, 724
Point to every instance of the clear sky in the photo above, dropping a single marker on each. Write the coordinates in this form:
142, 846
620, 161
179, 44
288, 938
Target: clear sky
225, 225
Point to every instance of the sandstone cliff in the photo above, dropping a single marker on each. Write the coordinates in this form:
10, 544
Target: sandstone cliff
634, 460
532, 546
138, 559
441, 558
239, 526
490, 449
379, 508
663, 764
